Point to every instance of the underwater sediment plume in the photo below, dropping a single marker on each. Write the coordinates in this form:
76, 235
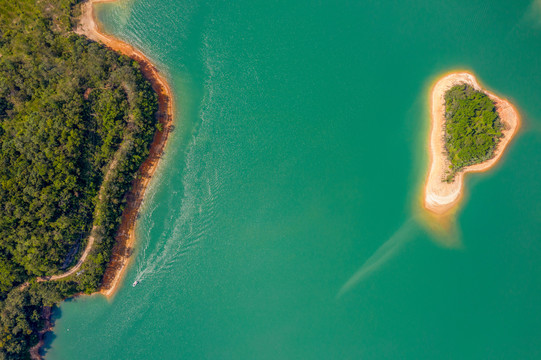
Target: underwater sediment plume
470, 129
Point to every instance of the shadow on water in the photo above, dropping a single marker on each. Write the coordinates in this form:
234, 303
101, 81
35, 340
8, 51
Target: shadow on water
49, 337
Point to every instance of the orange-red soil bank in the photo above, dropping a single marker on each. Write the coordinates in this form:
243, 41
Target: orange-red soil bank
126, 233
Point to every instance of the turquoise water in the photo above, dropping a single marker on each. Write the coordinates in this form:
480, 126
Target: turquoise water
283, 222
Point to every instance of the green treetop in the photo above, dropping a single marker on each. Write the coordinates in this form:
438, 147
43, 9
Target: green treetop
472, 128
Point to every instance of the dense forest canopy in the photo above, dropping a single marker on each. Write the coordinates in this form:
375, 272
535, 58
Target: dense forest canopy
69, 109
472, 128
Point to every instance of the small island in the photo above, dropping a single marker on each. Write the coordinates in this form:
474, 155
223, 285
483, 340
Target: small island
471, 127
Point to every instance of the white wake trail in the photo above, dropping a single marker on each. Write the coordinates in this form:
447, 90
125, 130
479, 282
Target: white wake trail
201, 187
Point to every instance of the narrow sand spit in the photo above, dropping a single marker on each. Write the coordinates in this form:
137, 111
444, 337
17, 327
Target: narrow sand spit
122, 250
441, 197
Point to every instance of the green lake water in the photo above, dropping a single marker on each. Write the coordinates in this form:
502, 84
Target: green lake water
283, 222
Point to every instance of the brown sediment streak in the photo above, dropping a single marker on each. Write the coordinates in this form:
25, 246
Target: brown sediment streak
440, 197
122, 250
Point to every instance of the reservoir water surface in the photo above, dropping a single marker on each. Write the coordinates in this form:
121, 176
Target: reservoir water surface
284, 220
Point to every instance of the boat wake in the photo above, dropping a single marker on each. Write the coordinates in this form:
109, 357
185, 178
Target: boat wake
186, 225
183, 229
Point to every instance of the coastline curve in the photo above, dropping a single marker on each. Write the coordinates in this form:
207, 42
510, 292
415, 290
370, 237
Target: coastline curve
125, 239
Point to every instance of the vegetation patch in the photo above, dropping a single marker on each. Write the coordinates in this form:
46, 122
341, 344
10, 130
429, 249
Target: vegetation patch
76, 122
472, 128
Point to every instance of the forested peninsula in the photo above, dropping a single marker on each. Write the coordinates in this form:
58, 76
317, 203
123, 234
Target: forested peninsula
471, 128
76, 123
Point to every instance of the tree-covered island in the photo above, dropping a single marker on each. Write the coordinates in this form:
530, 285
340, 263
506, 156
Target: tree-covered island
472, 128
76, 121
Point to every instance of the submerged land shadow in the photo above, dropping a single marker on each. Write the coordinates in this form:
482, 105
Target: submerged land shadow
443, 231
382, 255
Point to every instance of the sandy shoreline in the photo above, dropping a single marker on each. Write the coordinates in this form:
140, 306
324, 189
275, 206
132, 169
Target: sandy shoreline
122, 250
440, 197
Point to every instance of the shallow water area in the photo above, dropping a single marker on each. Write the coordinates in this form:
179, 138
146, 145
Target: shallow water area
283, 221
